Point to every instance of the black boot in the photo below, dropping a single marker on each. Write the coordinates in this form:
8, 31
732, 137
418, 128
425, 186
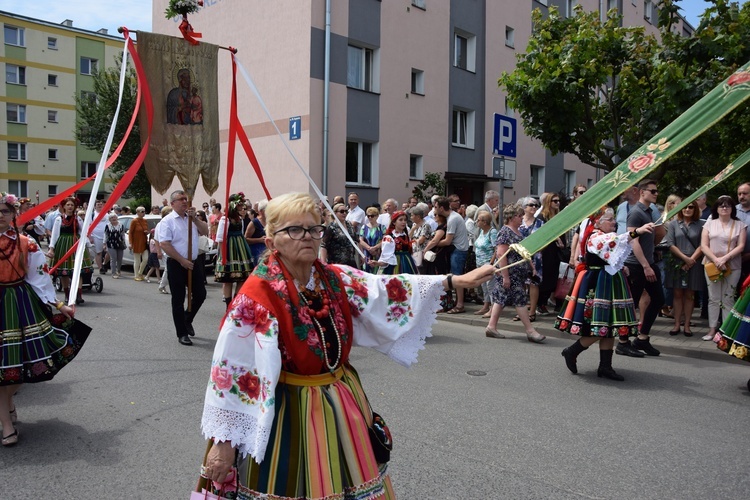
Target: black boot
66, 293
605, 366
227, 301
79, 298
571, 354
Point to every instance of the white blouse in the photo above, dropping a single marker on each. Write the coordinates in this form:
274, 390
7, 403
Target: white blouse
612, 248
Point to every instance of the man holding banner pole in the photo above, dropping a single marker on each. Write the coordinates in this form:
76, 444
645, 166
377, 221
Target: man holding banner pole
174, 231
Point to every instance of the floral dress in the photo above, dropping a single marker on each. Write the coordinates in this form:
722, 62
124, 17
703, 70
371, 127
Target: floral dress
340, 250
516, 294
526, 231
372, 236
281, 388
600, 303
35, 343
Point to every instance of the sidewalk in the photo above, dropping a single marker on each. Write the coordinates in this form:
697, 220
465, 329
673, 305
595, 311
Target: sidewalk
678, 345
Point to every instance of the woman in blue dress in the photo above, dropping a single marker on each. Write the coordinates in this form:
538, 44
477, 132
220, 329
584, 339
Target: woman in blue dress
371, 238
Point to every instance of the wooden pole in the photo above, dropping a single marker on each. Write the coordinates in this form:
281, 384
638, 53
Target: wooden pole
189, 256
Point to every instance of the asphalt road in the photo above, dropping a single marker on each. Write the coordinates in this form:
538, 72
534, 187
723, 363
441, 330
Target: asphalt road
122, 420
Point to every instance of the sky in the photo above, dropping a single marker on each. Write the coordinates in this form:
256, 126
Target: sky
136, 14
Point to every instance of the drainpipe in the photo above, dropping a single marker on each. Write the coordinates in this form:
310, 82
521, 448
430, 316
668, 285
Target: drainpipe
326, 96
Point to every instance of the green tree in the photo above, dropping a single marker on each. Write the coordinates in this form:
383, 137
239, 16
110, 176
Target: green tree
432, 184
599, 90
94, 118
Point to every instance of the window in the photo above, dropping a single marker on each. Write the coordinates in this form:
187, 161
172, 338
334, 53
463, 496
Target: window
52, 80
51, 190
536, 181
569, 181
15, 113
570, 7
464, 51
88, 96
52, 154
88, 66
419, 3
19, 188
543, 2
360, 68
51, 116
417, 81
51, 43
648, 10
17, 151
359, 163
463, 128
15, 36
15, 74
509, 37
88, 168
415, 167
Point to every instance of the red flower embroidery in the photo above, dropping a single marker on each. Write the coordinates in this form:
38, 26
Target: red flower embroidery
739, 78
722, 344
33, 247
359, 289
250, 385
221, 377
12, 374
641, 162
396, 290
623, 330
612, 244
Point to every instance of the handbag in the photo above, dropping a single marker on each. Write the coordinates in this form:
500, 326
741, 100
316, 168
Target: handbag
380, 437
417, 256
430, 256
564, 284
713, 273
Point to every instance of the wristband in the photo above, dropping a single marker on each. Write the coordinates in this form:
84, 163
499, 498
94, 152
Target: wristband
449, 277
634, 234
59, 305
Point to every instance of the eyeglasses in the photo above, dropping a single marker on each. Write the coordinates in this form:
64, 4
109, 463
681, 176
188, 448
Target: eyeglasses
5, 212
606, 218
298, 232
555, 201
581, 192
342, 211
205, 206
373, 215
725, 205
688, 208
184, 198
652, 191
533, 205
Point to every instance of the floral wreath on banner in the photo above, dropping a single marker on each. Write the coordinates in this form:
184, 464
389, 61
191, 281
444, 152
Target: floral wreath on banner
183, 8
644, 159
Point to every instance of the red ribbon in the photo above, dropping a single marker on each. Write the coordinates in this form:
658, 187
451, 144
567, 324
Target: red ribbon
188, 33
143, 93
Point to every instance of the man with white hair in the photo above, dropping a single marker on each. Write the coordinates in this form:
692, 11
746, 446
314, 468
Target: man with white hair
428, 219
491, 202
390, 206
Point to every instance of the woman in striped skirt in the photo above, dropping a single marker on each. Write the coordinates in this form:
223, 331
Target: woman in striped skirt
234, 263
65, 233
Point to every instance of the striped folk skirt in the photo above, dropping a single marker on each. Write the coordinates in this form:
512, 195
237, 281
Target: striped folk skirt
599, 305
63, 244
239, 261
34, 344
735, 331
404, 265
319, 446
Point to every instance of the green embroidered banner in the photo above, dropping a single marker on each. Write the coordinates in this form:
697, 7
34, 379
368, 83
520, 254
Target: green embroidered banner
730, 170
700, 117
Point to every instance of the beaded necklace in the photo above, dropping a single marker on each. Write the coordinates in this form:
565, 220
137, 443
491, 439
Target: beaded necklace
308, 298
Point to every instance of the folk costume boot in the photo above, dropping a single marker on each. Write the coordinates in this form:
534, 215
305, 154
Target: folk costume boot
79, 298
571, 354
605, 367
227, 301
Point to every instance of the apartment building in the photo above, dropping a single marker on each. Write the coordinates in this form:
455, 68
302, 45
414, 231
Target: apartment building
385, 91
46, 65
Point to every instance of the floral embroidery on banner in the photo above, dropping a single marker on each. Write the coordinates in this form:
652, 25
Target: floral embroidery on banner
399, 291
247, 386
740, 80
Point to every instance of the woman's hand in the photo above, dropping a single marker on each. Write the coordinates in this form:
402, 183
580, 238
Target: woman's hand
68, 311
50, 253
219, 461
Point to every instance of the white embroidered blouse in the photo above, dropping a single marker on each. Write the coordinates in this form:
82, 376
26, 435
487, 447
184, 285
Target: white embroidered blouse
248, 344
612, 248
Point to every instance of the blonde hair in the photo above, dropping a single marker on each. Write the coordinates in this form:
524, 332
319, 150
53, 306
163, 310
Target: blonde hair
372, 211
288, 205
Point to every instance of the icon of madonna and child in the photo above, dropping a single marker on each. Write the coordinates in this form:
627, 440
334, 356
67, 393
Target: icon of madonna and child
184, 104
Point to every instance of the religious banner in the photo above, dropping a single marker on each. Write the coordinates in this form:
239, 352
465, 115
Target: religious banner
184, 89
700, 117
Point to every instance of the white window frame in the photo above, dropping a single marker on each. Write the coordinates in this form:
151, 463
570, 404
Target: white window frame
536, 180
85, 94
88, 168
569, 181
19, 188
51, 80
421, 4
416, 167
366, 159
470, 51
51, 43
462, 128
417, 81
91, 65
570, 6
510, 37
17, 151
18, 109
363, 68
543, 2
52, 154
15, 75
648, 10
20, 36
51, 116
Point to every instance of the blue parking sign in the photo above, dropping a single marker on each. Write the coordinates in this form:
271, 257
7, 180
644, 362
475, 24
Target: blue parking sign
504, 136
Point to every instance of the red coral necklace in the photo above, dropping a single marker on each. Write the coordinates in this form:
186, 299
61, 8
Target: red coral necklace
307, 297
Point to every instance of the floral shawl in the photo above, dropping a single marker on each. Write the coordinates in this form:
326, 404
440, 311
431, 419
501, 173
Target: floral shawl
612, 248
266, 331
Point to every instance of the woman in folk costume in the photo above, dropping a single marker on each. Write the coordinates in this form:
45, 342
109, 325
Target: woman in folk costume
35, 344
600, 307
282, 398
734, 334
234, 263
396, 255
65, 233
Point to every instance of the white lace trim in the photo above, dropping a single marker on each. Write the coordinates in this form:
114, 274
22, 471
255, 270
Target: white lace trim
406, 348
243, 430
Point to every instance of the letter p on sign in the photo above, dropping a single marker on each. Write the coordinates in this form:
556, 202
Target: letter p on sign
504, 136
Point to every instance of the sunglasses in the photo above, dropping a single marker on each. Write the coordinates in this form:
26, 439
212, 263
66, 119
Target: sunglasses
581, 192
342, 211
372, 215
555, 201
534, 205
652, 191
724, 205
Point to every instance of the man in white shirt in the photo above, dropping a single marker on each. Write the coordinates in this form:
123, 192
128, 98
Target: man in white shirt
96, 236
356, 215
458, 236
173, 240
390, 206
